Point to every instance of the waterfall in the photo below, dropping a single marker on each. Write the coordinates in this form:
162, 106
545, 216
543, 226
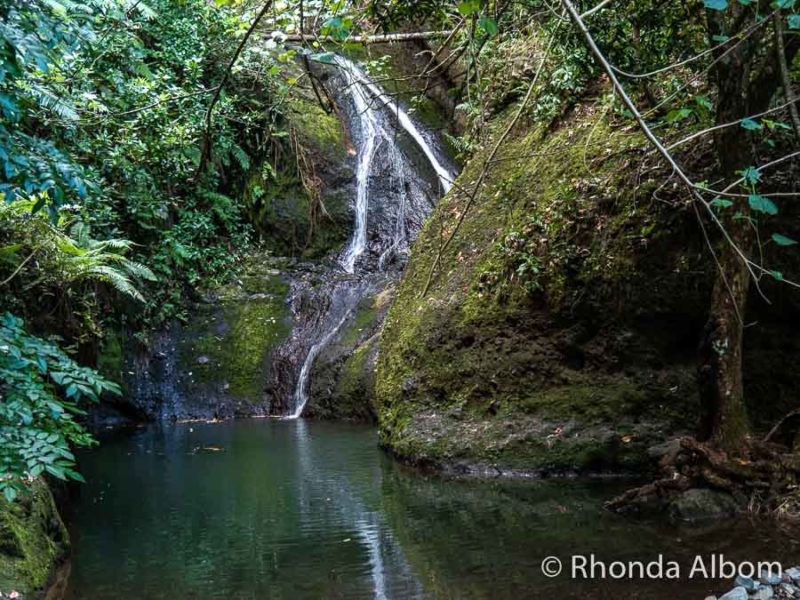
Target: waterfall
385, 179
376, 129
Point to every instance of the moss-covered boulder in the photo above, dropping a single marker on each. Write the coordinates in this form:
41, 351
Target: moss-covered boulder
343, 379
558, 330
33, 540
299, 196
215, 365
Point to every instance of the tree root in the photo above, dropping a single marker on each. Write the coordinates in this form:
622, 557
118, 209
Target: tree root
768, 474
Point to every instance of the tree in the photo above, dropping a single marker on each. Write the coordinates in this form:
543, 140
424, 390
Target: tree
746, 77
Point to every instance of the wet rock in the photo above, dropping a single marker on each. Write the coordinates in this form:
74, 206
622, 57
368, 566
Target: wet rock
770, 578
702, 503
763, 593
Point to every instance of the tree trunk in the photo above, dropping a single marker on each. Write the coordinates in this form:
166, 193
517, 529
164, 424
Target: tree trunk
725, 420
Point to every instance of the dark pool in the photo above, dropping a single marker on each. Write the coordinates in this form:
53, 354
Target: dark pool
256, 510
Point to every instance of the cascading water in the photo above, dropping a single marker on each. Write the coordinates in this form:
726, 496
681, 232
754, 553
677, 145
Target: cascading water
393, 197
368, 99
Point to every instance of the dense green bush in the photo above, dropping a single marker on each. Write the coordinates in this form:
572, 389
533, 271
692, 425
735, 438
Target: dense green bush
41, 390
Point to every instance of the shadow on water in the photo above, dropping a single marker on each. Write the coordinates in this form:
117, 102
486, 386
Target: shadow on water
291, 509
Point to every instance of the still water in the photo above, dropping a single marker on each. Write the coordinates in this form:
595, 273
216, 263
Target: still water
255, 510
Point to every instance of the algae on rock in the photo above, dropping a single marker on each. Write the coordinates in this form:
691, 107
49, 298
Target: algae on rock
538, 344
33, 540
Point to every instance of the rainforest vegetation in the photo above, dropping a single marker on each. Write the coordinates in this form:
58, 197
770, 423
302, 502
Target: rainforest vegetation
609, 283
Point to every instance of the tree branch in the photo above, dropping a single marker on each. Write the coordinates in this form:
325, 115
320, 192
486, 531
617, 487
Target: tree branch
205, 151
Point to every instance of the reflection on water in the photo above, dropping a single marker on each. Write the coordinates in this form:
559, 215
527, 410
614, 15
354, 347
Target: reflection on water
290, 509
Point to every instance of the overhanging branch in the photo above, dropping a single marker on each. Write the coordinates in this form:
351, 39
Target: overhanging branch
387, 38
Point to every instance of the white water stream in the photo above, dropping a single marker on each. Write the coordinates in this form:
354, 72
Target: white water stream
376, 116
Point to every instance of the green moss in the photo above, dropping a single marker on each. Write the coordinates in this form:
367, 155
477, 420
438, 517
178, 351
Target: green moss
365, 318
110, 356
234, 339
280, 206
319, 131
539, 310
32, 540
355, 388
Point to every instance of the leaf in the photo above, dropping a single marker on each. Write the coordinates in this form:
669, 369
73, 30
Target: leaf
469, 7
782, 240
750, 124
777, 275
721, 203
10, 493
751, 175
793, 21
716, 4
488, 24
762, 204
56, 471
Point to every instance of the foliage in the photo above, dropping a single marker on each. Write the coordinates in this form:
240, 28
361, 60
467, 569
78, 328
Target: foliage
68, 266
102, 108
41, 390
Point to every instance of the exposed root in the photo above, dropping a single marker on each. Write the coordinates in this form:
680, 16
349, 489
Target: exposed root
768, 474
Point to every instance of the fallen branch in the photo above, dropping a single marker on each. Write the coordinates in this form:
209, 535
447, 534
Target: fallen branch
387, 38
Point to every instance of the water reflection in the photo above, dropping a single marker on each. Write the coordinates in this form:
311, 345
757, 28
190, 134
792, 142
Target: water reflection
291, 509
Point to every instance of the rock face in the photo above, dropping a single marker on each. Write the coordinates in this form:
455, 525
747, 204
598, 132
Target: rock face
33, 540
215, 366
559, 331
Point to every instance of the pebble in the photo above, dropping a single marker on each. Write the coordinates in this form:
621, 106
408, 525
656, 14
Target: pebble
763, 593
768, 587
746, 582
737, 593
770, 578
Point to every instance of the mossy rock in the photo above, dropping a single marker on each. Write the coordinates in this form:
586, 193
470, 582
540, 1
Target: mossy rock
290, 220
343, 378
229, 341
569, 300
33, 540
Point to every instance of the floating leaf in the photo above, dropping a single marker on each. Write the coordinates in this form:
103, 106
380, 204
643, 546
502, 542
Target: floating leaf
782, 240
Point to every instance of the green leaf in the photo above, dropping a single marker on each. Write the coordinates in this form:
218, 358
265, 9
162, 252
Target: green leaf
751, 175
782, 240
10, 493
750, 124
716, 4
469, 7
793, 21
762, 204
488, 24
721, 203
55, 471
777, 275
